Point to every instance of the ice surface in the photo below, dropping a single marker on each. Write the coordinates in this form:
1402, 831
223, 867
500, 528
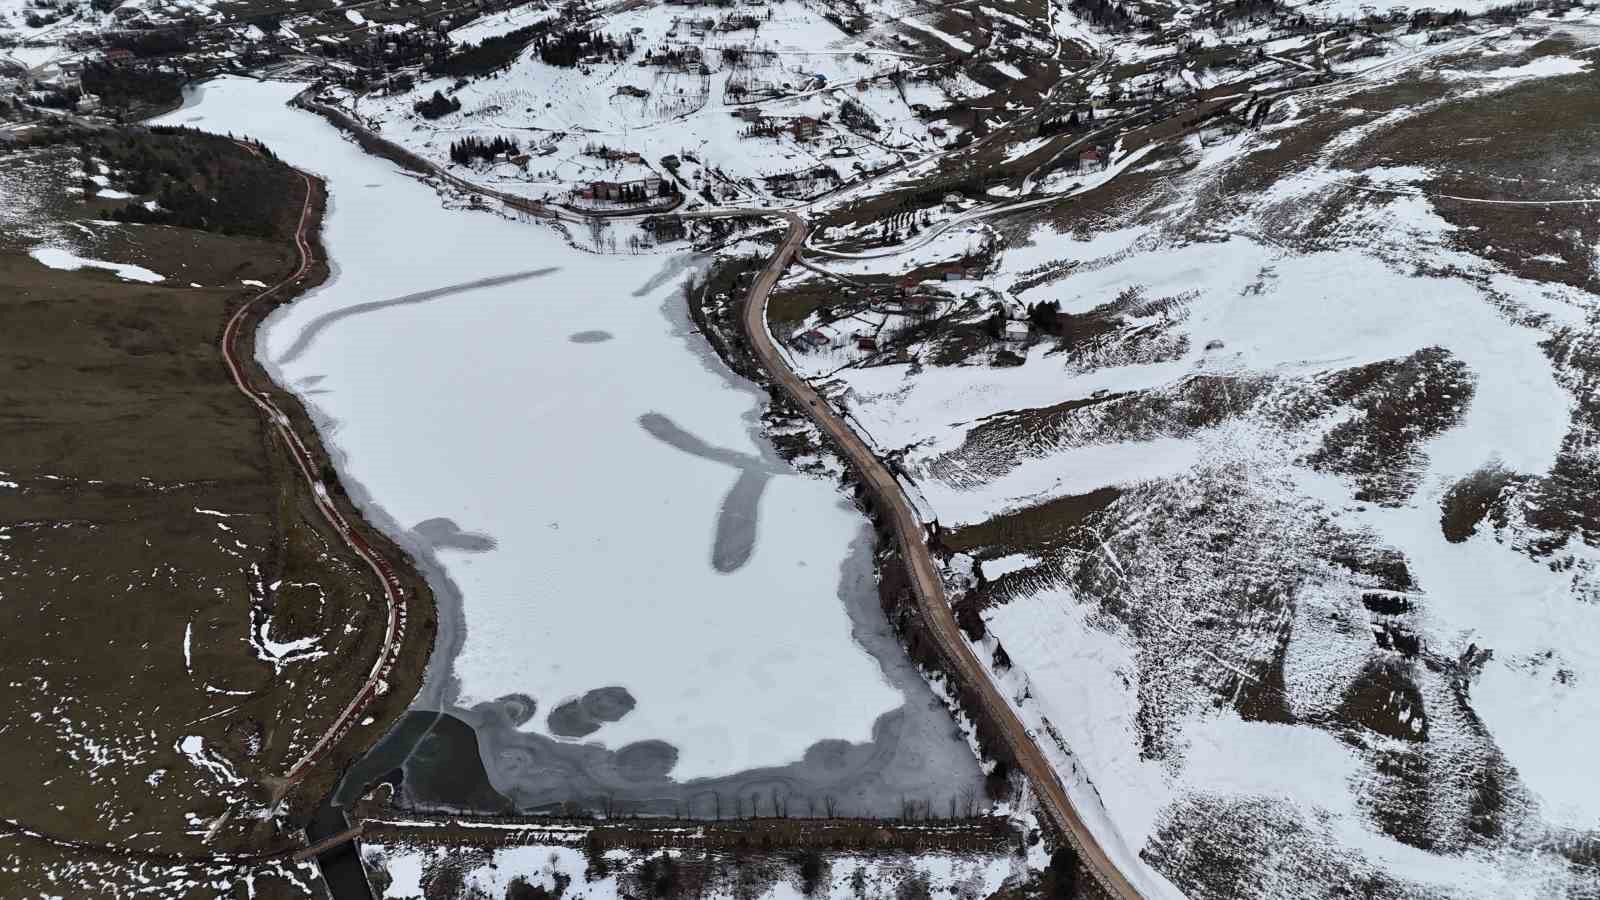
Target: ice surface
475, 406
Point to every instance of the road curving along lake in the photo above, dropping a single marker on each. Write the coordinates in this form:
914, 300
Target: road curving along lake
639, 600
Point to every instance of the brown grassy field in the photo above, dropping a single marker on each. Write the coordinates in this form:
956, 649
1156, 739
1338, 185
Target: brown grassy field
181, 625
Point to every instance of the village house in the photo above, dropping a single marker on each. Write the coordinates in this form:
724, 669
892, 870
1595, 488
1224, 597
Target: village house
610, 154
638, 190
812, 340
666, 228
804, 127
1014, 331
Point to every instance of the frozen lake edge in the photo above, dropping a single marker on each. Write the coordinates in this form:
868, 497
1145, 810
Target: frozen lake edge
891, 751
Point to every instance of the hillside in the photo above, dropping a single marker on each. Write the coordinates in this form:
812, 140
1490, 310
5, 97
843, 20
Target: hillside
1276, 505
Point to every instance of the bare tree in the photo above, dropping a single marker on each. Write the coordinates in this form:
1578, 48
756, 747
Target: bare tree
830, 805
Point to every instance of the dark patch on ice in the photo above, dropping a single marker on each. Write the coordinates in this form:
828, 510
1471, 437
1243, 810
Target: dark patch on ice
582, 716
735, 539
590, 337
310, 381
445, 533
514, 709
321, 323
646, 761
915, 750
608, 704
674, 265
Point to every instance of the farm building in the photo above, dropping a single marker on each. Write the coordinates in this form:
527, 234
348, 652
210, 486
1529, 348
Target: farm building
637, 190
666, 228
812, 340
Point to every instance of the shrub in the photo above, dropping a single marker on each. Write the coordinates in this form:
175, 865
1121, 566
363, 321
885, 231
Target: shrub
436, 106
1469, 500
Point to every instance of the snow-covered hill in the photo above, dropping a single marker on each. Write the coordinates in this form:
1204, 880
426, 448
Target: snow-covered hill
1287, 523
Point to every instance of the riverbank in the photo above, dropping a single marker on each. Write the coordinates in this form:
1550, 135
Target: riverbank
193, 624
318, 770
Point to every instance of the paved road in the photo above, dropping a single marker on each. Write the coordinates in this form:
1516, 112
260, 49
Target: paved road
927, 585
394, 594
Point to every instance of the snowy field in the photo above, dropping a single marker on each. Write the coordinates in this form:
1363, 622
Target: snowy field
569, 418
565, 111
567, 873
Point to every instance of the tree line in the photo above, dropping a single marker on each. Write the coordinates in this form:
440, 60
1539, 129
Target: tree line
490, 55
124, 86
566, 48
198, 180
470, 148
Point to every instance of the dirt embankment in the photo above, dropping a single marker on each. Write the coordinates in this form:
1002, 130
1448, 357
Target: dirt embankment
981, 834
405, 678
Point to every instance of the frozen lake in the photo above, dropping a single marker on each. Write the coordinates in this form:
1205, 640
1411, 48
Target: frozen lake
634, 589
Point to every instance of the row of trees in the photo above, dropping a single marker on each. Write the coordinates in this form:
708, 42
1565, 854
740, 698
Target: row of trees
556, 48
1110, 15
471, 148
718, 806
566, 48
1072, 122
155, 42
487, 56
200, 181
855, 117
124, 86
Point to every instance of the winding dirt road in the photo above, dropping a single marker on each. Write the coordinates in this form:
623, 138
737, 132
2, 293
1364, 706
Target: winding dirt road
394, 594
927, 585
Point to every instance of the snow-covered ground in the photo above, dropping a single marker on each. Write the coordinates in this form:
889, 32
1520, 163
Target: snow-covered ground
58, 258
538, 413
567, 873
565, 112
1134, 646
